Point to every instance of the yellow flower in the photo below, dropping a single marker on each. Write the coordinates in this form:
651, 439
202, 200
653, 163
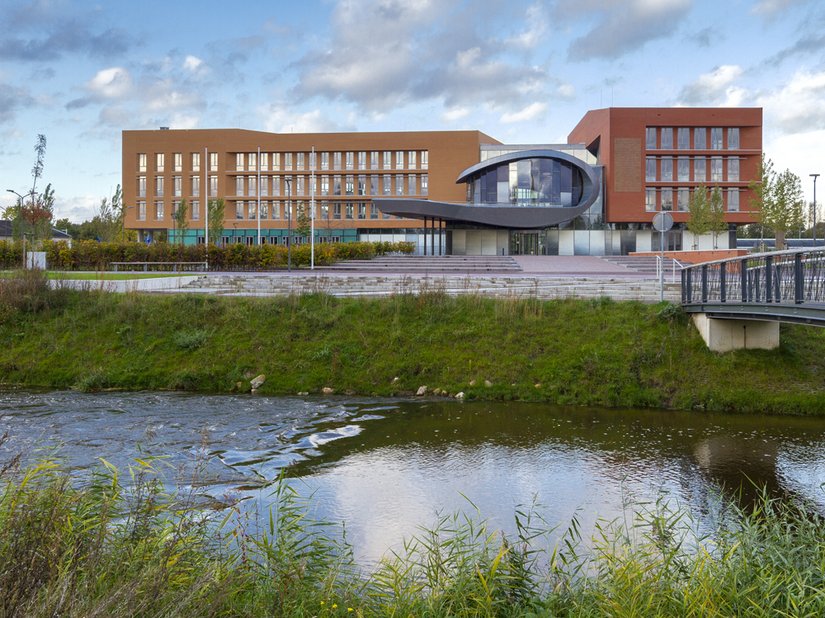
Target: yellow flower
349, 609
335, 606
322, 603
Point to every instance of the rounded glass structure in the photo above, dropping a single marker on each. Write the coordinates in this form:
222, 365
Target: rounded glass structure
535, 181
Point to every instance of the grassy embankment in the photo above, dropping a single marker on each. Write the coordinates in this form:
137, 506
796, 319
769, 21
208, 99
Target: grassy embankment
101, 551
570, 351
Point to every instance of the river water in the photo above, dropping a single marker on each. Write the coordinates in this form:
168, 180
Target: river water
386, 467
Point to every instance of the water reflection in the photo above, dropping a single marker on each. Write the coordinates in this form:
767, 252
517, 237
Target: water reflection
386, 468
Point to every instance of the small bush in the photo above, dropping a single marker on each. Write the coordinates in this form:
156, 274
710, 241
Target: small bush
190, 339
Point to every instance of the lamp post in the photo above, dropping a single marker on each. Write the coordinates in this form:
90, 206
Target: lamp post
288, 182
21, 199
813, 209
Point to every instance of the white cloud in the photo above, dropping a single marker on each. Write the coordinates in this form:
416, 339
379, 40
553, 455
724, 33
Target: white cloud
769, 8
111, 83
531, 112
455, 113
536, 27
714, 88
76, 208
192, 63
278, 120
797, 106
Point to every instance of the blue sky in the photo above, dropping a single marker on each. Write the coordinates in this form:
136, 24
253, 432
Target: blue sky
523, 71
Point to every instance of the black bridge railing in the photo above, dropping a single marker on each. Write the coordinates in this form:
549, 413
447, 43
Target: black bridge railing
783, 277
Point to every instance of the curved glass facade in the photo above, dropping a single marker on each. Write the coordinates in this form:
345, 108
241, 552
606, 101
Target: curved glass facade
535, 182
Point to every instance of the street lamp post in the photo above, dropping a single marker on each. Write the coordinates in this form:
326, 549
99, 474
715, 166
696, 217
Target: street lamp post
288, 182
814, 176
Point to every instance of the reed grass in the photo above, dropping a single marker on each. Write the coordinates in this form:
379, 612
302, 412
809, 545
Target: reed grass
114, 545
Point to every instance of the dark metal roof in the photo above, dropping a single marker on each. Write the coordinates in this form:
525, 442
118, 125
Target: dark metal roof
6, 231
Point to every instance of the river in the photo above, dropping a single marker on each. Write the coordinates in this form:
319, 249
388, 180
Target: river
386, 467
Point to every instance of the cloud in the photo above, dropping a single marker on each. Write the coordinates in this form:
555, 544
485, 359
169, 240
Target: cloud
705, 37
621, 26
531, 112
12, 99
797, 106
277, 120
713, 88
111, 83
536, 27
769, 8
808, 44
455, 113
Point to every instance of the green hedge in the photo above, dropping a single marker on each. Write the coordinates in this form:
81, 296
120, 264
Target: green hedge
92, 255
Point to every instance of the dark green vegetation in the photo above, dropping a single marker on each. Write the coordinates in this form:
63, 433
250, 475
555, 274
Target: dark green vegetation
597, 353
107, 551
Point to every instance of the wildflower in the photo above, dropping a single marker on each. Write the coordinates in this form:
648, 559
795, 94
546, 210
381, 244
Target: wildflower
349, 609
335, 606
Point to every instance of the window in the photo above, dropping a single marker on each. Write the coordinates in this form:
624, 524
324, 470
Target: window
424, 183
350, 160
213, 161
683, 171
650, 138
276, 210
276, 161
399, 159
411, 188
299, 186
362, 210
177, 162
336, 210
373, 211
159, 162
399, 185
300, 161
667, 199
374, 160
177, 186
325, 210
252, 161
699, 138
733, 200
324, 185
252, 182
650, 169
141, 211
667, 138
239, 162
349, 210
336, 185
264, 161
411, 159
362, 185
196, 161
264, 185
667, 169
196, 210
425, 156
239, 208
733, 170
387, 162
350, 185
716, 169
264, 209
324, 160
716, 138
252, 210
650, 200
141, 186
142, 162
373, 185
336, 160
239, 185
733, 138
387, 180
700, 169
683, 138
276, 185
287, 161
159, 186
196, 185
213, 186
683, 198
159, 210
362, 160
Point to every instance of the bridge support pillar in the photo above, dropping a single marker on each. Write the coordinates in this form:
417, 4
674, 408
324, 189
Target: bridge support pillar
727, 335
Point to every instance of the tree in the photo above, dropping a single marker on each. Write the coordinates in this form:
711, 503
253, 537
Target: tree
699, 211
179, 218
303, 225
779, 199
33, 212
216, 211
716, 215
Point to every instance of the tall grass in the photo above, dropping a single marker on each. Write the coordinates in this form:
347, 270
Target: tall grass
115, 547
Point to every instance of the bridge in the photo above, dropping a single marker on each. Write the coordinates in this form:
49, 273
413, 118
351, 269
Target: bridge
739, 302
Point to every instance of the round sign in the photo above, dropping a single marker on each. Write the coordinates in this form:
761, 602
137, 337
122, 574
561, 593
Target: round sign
662, 221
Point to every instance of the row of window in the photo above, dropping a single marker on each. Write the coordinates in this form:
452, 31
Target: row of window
662, 138
657, 199
692, 168
405, 184
300, 161
274, 210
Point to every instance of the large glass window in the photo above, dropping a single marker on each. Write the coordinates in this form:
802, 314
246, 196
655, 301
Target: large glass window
350, 160
239, 185
362, 160
667, 199
177, 186
733, 170
300, 161
683, 172
683, 198
650, 138
299, 186
733, 138
716, 169
362, 185
425, 159
324, 185
239, 162
362, 210
650, 169
700, 138
276, 185
399, 159
387, 160
177, 162
213, 186
349, 184
141, 186
196, 210
683, 138
399, 184
213, 161
667, 138
287, 161
196, 186
324, 160
336, 185
141, 210
253, 185
411, 185
412, 159
239, 210
336, 160
159, 186
276, 161
700, 169
374, 160
264, 161
667, 169
159, 210
336, 210
650, 200
142, 162
387, 184
425, 184
716, 138
196, 161
733, 200
159, 161
264, 185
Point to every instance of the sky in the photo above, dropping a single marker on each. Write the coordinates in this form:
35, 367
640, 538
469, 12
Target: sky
522, 71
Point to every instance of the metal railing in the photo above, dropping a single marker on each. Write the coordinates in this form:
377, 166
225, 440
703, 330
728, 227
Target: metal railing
782, 277
660, 264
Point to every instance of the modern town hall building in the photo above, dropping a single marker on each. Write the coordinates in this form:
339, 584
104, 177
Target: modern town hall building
453, 192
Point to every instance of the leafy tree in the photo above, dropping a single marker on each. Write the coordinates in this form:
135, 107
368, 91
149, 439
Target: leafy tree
699, 211
217, 210
716, 215
180, 220
32, 213
303, 224
779, 199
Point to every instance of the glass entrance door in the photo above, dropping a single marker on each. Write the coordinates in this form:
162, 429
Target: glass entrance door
525, 243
